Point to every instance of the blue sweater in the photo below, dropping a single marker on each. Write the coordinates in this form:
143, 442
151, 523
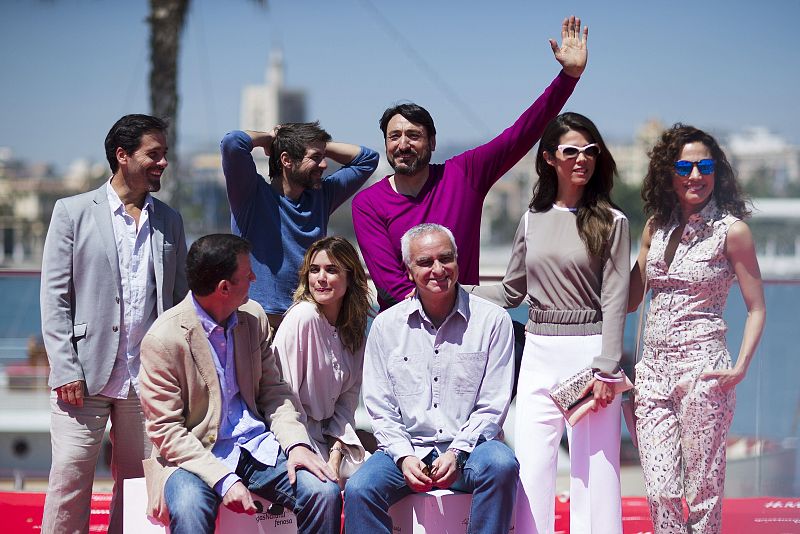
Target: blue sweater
279, 228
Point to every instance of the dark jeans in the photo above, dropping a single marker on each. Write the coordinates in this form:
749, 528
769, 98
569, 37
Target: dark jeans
490, 474
193, 504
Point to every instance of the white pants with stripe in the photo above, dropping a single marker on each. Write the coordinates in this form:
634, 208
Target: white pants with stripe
595, 502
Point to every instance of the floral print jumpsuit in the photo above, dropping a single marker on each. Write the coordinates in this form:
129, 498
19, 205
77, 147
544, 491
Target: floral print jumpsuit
683, 422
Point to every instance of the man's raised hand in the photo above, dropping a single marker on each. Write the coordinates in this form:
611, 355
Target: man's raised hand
572, 54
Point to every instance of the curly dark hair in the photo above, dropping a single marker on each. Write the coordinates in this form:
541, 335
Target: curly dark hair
660, 200
594, 218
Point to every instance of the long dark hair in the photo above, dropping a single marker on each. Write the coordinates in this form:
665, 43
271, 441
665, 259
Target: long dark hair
659, 197
594, 216
352, 319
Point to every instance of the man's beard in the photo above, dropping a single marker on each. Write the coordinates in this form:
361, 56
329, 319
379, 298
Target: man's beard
154, 186
417, 164
154, 183
305, 179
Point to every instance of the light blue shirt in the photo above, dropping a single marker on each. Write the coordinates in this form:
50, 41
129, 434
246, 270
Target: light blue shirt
428, 387
239, 428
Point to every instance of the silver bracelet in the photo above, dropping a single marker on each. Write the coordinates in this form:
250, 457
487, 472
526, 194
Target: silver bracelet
609, 380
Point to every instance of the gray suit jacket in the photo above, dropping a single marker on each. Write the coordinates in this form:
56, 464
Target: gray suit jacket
81, 291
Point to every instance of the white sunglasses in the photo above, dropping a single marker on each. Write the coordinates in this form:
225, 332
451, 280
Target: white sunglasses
572, 151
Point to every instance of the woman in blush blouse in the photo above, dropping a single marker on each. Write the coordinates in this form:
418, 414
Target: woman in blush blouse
693, 246
320, 346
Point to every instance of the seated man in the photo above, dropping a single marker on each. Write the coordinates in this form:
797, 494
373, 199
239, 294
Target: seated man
221, 419
437, 383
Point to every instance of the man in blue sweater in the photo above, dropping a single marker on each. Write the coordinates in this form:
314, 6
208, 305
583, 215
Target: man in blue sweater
281, 219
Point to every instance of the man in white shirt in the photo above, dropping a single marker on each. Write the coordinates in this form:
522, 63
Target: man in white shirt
113, 260
438, 371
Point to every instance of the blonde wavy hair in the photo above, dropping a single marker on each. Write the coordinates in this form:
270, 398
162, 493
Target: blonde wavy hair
352, 319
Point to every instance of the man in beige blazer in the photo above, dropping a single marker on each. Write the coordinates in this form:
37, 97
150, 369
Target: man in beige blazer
221, 419
113, 260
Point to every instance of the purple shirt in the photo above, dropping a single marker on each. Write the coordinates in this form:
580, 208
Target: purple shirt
452, 196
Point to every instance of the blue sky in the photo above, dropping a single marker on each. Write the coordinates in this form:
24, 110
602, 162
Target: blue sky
70, 68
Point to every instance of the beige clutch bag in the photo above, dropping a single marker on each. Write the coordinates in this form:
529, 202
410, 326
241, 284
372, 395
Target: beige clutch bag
568, 397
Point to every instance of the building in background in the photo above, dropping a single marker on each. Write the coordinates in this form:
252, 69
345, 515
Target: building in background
507, 201
766, 163
264, 106
205, 209
632, 158
776, 229
28, 193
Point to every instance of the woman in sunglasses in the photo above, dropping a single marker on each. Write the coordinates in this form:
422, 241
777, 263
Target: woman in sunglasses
320, 346
570, 261
693, 246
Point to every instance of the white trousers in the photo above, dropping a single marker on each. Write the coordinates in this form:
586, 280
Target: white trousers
76, 434
595, 502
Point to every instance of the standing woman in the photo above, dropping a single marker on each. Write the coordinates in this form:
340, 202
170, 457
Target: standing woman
320, 346
692, 247
571, 262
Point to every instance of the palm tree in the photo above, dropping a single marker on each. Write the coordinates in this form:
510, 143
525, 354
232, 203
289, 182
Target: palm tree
167, 19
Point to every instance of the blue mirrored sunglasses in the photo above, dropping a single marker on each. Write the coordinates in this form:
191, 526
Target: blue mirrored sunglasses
684, 168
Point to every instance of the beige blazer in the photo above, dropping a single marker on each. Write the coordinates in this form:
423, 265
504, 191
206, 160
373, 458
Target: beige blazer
182, 402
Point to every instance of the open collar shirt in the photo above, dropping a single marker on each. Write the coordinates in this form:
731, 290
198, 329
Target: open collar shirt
138, 281
427, 387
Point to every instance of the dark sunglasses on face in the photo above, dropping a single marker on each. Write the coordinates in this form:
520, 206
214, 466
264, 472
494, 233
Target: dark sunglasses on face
572, 151
684, 168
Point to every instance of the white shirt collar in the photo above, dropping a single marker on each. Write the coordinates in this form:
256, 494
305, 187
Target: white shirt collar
116, 204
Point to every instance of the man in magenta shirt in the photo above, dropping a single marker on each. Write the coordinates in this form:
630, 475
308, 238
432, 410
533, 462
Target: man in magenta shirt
450, 194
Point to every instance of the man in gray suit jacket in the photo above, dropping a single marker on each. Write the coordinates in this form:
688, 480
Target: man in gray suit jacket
114, 259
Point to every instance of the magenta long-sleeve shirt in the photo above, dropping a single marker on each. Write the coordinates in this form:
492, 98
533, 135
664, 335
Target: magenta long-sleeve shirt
452, 196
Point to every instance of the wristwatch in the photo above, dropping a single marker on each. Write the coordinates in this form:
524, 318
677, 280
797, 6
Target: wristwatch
461, 458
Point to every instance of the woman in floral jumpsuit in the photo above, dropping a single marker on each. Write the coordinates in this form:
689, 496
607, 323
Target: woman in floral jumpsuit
693, 246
